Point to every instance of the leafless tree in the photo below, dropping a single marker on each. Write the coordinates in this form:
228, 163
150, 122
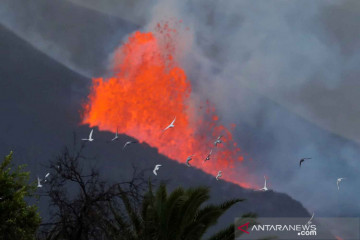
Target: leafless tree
80, 200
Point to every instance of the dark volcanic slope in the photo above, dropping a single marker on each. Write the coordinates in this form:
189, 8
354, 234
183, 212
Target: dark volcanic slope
78, 37
39, 102
36, 100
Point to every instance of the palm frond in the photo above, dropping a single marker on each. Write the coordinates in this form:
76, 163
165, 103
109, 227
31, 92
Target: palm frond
131, 212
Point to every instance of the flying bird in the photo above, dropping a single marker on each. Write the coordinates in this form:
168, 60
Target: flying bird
128, 143
47, 175
116, 136
302, 160
310, 221
171, 125
338, 181
90, 139
157, 166
218, 175
218, 141
265, 187
39, 183
189, 158
208, 156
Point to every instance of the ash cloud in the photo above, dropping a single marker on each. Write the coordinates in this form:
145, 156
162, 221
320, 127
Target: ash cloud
284, 71
78, 37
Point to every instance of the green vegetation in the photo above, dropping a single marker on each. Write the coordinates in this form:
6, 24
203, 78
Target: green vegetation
18, 220
179, 215
83, 206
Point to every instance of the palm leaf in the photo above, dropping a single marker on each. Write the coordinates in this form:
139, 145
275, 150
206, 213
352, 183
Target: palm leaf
196, 197
131, 212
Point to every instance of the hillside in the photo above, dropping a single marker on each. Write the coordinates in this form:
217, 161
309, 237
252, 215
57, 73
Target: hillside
40, 100
78, 37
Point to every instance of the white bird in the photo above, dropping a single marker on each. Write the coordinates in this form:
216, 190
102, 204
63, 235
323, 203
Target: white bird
157, 166
171, 125
208, 156
265, 187
218, 175
218, 141
310, 221
338, 181
39, 183
128, 143
116, 136
90, 139
189, 158
48, 174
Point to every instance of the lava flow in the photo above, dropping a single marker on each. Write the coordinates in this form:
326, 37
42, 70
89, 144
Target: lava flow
147, 90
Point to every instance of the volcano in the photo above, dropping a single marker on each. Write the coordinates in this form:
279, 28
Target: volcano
148, 90
44, 90
41, 99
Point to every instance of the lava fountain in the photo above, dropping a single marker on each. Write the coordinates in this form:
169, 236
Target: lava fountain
147, 90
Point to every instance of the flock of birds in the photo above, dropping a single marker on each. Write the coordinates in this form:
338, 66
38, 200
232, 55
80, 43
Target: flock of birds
157, 166
301, 161
189, 158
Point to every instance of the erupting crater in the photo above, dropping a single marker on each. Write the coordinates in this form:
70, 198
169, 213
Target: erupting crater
147, 90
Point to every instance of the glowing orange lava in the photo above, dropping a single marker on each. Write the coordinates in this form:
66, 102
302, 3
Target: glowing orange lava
147, 91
